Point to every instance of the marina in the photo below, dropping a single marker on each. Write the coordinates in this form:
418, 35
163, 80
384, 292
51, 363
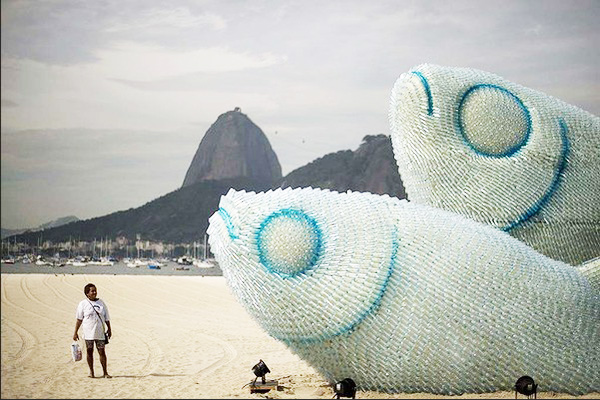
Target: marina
135, 267
106, 256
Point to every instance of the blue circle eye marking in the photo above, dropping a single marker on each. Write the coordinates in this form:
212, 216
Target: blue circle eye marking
509, 150
289, 242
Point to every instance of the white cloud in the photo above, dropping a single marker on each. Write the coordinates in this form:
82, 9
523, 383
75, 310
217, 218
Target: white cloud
135, 61
178, 17
92, 96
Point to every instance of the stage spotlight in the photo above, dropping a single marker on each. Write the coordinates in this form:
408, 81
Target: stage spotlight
345, 388
260, 370
526, 386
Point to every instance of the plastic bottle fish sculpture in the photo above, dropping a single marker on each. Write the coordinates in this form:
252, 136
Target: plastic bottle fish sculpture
471, 142
403, 297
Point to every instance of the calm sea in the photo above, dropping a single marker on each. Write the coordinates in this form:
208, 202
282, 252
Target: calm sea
116, 269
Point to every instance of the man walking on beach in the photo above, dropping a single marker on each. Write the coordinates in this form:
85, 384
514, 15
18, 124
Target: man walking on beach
92, 313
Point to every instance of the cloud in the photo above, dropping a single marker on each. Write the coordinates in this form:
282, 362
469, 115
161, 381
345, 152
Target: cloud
134, 61
94, 96
8, 103
67, 32
178, 17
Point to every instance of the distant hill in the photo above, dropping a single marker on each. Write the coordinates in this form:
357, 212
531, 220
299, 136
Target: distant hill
47, 225
10, 232
234, 147
179, 217
59, 222
234, 152
182, 215
371, 168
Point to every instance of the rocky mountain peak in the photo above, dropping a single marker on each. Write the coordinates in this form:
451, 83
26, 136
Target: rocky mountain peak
371, 168
234, 147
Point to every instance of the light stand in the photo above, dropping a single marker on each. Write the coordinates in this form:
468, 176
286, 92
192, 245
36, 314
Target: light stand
260, 370
526, 386
345, 388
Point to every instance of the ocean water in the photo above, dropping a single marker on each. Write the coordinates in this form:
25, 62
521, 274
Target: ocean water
116, 269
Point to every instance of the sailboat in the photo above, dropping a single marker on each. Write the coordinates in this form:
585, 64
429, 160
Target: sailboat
9, 259
205, 262
136, 263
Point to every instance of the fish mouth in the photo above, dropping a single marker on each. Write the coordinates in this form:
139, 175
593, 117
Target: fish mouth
226, 218
221, 232
223, 224
427, 88
411, 99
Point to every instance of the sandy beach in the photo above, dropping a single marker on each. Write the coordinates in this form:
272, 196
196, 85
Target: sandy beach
173, 337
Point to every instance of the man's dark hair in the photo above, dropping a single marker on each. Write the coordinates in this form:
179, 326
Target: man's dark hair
87, 288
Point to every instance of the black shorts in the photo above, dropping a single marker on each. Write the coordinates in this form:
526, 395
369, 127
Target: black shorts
89, 344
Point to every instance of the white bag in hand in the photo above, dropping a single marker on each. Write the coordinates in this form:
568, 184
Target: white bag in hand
76, 351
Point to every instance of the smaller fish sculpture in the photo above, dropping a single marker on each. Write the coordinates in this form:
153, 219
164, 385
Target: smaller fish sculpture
403, 297
473, 143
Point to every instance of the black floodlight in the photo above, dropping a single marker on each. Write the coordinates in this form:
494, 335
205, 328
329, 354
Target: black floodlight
260, 370
345, 388
526, 386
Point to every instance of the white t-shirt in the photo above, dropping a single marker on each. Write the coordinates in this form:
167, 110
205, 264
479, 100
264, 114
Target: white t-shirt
92, 325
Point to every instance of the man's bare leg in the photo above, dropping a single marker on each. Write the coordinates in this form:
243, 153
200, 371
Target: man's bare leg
90, 361
102, 354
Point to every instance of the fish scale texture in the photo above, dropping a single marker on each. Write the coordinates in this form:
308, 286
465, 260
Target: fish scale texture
403, 297
474, 143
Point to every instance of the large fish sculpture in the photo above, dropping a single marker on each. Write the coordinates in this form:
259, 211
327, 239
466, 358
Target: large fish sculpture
473, 143
403, 297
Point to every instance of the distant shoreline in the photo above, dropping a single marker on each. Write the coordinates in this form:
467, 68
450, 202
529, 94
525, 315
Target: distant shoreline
118, 268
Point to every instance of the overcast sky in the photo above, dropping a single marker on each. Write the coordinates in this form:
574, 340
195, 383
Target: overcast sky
104, 103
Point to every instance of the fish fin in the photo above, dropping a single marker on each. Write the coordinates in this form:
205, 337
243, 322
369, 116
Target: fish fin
591, 270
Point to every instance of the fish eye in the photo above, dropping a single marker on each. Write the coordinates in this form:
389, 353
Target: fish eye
493, 121
289, 242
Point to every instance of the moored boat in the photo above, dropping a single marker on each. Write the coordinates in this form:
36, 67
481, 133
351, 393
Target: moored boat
136, 263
